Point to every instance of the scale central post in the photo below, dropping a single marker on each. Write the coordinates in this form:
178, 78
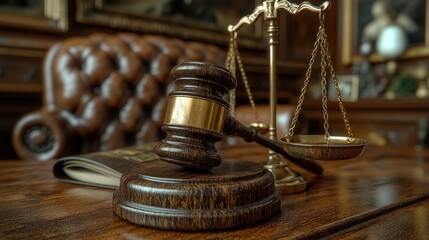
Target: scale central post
287, 181
273, 32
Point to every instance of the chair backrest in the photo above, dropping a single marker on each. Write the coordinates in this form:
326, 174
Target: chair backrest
111, 90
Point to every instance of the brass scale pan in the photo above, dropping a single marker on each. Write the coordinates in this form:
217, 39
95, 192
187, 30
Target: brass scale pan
316, 147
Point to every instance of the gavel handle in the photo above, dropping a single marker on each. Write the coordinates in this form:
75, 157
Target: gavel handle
232, 126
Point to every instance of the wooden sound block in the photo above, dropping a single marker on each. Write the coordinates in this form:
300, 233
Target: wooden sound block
167, 196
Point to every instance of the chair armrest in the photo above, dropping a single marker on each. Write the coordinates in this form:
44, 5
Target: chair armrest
41, 135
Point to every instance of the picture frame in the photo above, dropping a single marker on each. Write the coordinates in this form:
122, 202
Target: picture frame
356, 14
207, 23
43, 15
349, 88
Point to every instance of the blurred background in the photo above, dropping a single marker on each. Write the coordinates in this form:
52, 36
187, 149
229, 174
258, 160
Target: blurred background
380, 51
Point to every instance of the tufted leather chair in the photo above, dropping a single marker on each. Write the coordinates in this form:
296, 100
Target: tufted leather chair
103, 92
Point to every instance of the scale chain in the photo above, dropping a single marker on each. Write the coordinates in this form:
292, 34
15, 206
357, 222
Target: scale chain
337, 89
231, 66
304, 88
234, 58
322, 42
324, 85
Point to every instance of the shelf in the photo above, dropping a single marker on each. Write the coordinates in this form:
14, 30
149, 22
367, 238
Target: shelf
20, 87
404, 104
261, 65
383, 122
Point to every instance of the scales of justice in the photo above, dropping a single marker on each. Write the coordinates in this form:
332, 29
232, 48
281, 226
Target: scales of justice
191, 188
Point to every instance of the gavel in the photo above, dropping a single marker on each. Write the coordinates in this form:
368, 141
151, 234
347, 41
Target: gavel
197, 118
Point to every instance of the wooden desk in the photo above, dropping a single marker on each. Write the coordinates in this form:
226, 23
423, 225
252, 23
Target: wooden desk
384, 194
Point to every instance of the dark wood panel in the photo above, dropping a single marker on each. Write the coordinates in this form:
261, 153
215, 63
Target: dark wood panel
12, 106
20, 74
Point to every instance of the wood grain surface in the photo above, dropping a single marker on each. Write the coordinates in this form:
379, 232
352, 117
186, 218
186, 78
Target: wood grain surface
383, 194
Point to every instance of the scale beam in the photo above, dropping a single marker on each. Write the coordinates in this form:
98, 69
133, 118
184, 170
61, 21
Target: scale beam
269, 11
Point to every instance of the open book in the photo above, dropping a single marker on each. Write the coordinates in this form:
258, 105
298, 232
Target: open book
105, 168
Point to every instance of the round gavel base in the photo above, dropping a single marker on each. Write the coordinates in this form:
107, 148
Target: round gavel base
166, 196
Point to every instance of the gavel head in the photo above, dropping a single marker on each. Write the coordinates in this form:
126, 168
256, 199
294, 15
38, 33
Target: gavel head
195, 115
